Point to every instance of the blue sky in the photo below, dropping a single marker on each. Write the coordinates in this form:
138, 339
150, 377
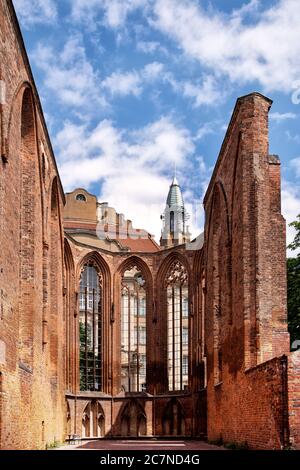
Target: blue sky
131, 88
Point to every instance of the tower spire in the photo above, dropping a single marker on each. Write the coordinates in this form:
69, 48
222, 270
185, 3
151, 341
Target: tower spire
174, 231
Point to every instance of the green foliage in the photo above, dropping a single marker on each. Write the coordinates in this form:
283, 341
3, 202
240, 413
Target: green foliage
293, 293
296, 243
293, 285
53, 445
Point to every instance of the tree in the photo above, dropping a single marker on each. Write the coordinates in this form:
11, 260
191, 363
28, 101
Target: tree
296, 243
293, 285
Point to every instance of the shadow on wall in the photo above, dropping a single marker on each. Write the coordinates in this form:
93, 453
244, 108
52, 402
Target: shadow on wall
132, 420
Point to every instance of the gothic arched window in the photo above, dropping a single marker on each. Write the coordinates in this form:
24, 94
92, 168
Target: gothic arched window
90, 328
178, 326
133, 331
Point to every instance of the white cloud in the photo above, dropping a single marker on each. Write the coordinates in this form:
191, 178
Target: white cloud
133, 82
295, 164
151, 47
206, 129
115, 12
70, 75
35, 11
292, 137
266, 49
206, 93
134, 168
279, 117
125, 83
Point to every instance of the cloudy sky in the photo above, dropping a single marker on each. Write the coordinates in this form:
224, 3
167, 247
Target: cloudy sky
131, 88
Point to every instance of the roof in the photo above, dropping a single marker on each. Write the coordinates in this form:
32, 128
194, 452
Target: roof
140, 241
175, 195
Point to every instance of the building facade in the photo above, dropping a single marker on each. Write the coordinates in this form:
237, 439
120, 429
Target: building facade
102, 332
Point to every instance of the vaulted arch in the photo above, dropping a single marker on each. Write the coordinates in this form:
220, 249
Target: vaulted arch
173, 419
69, 309
134, 300
55, 278
28, 238
93, 420
218, 275
94, 307
173, 288
133, 420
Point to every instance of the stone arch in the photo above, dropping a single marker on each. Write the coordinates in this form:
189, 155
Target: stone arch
173, 419
128, 264
163, 352
167, 262
96, 260
24, 92
28, 175
100, 263
133, 420
219, 192
93, 420
69, 308
199, 297
55, 276
86, 421
219, 274
16, 105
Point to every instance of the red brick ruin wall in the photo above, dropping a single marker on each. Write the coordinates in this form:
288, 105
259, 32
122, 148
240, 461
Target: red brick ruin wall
294, 398
237, 290
244, 260
32, 406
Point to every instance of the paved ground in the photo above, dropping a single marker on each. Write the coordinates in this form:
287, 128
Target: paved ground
149, 444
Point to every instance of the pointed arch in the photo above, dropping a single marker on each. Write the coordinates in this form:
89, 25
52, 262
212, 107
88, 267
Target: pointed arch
133, 419
69, 308
166, 264
94, 305
24, 93
28, 238
218, 271
173, 419
175, 319
198, 372
134, 301
55, 277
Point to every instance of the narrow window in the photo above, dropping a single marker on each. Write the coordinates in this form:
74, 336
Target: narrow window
133, 329
178, 326
90, 328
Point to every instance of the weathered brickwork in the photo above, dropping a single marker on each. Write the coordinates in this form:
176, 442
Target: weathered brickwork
32, 394
245, 298
243, 384
294, 398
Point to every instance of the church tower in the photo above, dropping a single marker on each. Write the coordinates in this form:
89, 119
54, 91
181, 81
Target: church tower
174, 231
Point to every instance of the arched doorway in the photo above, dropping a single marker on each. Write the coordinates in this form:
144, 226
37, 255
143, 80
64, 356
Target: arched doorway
133, 420
173, 421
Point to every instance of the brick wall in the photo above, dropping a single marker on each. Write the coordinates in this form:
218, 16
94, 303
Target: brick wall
31, 416
245, 274
294, 398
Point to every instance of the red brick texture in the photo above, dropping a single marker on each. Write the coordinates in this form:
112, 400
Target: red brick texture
244, 261
294, 398
32, 404
242, 388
